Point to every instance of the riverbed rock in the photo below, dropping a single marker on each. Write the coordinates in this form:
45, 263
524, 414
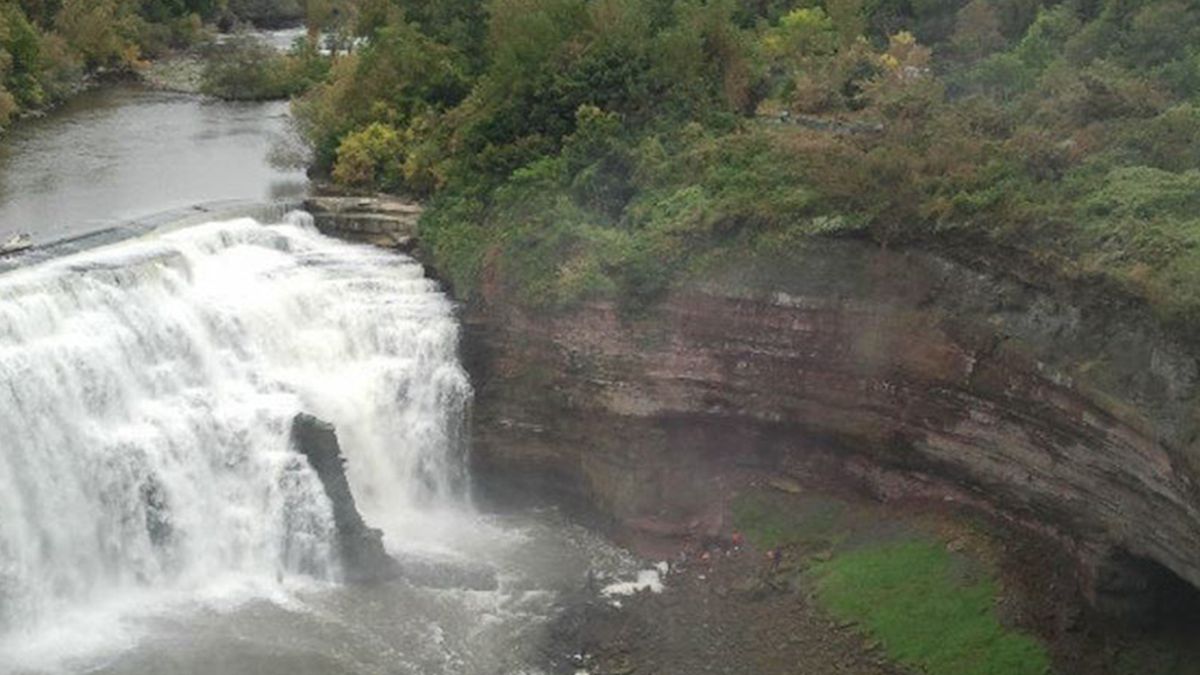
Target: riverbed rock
1063, 408
183, 73
360, 547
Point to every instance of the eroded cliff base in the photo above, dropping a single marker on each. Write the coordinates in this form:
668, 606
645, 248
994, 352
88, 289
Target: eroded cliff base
748, 598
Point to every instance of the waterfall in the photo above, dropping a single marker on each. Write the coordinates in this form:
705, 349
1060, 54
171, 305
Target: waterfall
146, 392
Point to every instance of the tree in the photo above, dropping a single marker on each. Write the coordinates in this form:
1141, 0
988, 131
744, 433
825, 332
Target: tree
1046, 38
803, 33
99, 30
371, 159
1162, 32
267, 12
41, 12
22, 43
848, 19
161, 11
335, 19
977, 30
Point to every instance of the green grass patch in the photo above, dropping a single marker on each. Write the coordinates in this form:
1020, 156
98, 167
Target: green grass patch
927, 609
769, 520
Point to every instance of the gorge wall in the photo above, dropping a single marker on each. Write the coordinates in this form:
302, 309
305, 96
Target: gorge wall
1056, 409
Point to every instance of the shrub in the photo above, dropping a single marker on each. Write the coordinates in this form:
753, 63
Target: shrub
246, 68
371, 158
400, 75
1170, 141
268, 12
157, 39
101, 31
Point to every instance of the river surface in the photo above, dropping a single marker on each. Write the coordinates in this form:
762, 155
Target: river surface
120, 152
154, 517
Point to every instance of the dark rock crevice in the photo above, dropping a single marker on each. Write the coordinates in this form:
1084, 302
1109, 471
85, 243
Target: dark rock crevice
1142, 591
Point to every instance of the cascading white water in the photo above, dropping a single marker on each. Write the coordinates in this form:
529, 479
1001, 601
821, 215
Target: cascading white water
146, 395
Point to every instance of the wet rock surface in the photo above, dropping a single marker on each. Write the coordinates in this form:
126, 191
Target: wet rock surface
359, 546
702, 626
721, 615
728, 606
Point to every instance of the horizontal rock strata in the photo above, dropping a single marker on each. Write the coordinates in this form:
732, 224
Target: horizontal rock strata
383, 221
921, 376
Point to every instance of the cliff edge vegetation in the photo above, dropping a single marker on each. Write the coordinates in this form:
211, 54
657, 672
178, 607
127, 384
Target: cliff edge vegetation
572, 149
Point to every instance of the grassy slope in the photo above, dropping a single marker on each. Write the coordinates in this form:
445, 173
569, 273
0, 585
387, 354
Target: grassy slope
911, 596
931, 609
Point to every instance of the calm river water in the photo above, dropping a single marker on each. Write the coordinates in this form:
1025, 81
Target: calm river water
120, 152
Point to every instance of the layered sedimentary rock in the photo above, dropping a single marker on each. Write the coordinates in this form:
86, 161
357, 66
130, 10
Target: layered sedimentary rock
1060, 408
360, 547
382, 221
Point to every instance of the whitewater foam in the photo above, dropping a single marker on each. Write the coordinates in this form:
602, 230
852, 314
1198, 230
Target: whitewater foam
146, 394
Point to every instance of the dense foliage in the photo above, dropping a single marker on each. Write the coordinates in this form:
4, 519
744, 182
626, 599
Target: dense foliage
246, 68
47, 47
267, 12
573, 148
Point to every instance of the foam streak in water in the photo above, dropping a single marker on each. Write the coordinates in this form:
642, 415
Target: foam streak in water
146, 392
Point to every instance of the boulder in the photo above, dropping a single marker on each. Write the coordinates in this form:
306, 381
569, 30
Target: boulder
360, 547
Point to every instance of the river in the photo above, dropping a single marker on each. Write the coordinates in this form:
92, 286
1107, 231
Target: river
153, 516
120, 152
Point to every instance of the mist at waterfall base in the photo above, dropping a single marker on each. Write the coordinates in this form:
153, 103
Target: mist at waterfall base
153, 516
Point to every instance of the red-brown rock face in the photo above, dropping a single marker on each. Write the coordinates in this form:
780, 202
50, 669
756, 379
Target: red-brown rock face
1064, 413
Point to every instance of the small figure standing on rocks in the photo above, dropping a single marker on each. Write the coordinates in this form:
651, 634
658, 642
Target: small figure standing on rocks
774, 556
